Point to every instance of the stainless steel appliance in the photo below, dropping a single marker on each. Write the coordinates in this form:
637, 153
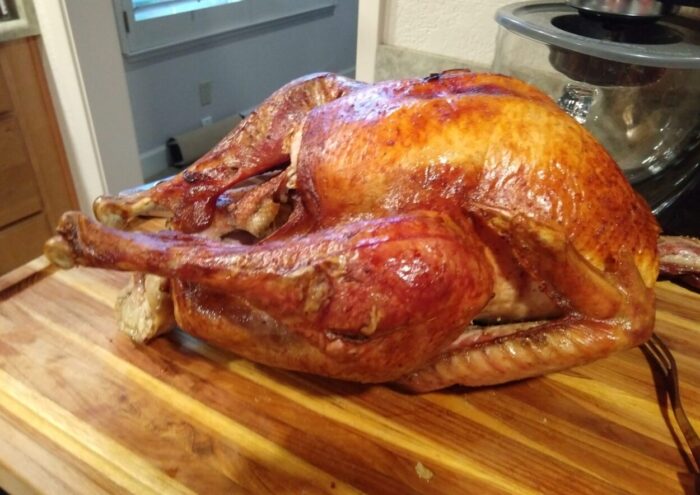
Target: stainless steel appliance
629, 71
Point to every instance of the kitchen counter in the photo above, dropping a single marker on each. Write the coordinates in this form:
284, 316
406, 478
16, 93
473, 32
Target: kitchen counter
84, 410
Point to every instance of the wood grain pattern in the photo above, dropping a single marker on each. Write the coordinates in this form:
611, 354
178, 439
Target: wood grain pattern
18, 188
34, 175
22, 240
35, 113
84, 410
5, 101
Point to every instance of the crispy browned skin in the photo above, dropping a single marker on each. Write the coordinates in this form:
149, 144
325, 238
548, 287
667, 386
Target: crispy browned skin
418, 206
679, 259
679, 255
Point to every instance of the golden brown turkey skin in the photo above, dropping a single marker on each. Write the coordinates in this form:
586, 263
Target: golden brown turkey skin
418, 206
486, 144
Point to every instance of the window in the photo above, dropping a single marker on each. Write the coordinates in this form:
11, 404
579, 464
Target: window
7, 10
148, 27
150, 9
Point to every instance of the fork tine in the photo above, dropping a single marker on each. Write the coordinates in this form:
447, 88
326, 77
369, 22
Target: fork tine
660, 359
664, 360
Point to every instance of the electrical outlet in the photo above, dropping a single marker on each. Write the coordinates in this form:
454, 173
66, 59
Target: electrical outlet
207, 121
205, 93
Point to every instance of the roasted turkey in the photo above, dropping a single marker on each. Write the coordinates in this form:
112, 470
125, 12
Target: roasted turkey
455, 229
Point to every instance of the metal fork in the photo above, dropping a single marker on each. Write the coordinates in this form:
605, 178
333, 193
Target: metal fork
660, 357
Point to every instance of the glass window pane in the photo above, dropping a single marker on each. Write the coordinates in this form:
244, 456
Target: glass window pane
151, 9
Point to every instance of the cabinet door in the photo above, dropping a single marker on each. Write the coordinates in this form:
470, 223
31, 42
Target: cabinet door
35, 183
18, 188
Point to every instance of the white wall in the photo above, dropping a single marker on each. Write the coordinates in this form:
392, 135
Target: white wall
369, 26
244, 69
97, 49
461, 29
88, 87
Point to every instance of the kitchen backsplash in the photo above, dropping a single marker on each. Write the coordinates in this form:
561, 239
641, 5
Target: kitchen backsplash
395, 62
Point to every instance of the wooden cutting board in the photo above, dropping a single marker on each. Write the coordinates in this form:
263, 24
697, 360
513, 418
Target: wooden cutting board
83, 410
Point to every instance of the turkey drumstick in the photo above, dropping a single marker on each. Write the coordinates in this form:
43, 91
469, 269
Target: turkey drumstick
345, 289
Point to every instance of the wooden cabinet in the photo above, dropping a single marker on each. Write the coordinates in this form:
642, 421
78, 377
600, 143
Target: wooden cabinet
35, 183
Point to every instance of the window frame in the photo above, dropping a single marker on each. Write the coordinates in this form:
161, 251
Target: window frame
161, 34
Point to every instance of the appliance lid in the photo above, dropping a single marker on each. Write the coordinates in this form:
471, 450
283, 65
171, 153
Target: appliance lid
671, 42
627, 8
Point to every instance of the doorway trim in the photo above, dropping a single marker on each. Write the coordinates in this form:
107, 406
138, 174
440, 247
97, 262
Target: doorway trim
90, 95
